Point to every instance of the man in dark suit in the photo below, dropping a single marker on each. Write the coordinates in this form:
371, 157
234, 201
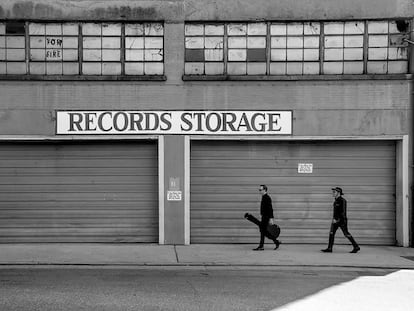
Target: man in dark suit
339, 220
266, 211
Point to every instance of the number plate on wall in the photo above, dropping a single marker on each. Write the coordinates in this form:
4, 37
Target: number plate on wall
305, 168
174, 195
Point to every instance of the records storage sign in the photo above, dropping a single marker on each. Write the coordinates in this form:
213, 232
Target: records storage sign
174, 122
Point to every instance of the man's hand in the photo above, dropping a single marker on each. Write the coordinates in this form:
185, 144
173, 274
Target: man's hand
334, 221
271, 221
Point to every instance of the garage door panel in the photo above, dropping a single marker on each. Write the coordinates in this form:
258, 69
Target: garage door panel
225, 177
74, 205
251, 150
283, 164
80, 192
318, 171
73, 149
360, 192
290, 181
79, 171
76, 213
91, 187
300, 199
76, 180
74, 197
118, 221
311, 222
67, 162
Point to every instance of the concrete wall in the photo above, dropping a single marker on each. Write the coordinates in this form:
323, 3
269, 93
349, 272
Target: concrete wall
179, 10
320, 108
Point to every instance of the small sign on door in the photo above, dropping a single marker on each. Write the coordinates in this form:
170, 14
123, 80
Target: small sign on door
305, 168
174, 195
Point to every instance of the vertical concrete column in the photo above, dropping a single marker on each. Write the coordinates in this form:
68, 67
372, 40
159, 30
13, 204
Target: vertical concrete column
174, 53
174, 217
402, 193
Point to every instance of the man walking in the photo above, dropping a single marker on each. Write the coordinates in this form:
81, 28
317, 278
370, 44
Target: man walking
266, 211
339, 220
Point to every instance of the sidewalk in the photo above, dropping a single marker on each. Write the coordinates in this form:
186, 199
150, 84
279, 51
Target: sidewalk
289, 255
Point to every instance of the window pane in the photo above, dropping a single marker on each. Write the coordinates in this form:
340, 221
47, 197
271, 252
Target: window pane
237, 29
134, 68
237, 55
255, 29
237, 68
214, 68
134, 42
211, 30
213, 55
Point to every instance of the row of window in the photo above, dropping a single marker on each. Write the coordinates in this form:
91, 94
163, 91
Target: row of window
357, 47
81, 49
257, 48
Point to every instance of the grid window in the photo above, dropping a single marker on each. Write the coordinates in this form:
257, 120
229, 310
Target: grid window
387, 50
297, 48
246, 48
12, 48
119, 49
53, 49
294, 48
204, 49
144, 49
101, 44
344, 48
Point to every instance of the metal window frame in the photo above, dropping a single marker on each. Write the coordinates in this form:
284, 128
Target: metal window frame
321, 61
81, 76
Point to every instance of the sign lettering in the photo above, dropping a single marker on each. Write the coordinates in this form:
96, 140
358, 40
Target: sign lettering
174, 122
53, 48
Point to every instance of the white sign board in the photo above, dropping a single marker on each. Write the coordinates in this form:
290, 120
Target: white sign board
305, 168
174, 122
174, 195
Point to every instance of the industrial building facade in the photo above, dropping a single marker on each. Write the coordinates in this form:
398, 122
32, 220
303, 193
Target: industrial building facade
156, 121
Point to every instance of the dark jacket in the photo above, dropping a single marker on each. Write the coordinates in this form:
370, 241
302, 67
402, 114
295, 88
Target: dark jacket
339, 209
266, 208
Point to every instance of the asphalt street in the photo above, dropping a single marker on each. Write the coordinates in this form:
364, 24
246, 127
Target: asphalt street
192, 288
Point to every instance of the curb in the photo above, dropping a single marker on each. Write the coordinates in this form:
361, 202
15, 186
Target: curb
184, 265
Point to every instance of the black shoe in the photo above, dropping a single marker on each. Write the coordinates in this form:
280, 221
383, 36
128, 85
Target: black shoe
326, 250
259, 248
355, 250
246, 215
277, 244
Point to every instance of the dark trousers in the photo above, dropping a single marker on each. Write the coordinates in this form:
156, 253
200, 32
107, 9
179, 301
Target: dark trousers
344, 228
263, 231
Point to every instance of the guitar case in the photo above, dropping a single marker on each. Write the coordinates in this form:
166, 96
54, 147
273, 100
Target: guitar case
272, 232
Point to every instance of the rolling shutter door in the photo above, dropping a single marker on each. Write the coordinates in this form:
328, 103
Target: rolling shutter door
80, 192
225, 177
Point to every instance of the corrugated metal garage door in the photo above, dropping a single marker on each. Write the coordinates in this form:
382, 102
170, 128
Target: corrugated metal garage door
80, 192
225, 178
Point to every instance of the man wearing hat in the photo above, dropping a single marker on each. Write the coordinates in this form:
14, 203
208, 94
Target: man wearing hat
339, 221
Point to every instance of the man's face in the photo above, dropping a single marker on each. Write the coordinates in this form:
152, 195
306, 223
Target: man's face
262, 191
335, 193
